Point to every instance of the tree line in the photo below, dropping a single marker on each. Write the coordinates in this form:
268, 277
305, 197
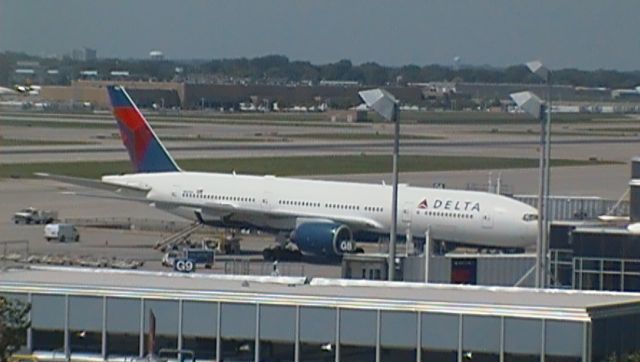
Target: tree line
279, 68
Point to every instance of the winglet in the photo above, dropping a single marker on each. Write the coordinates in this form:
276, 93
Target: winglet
146, 152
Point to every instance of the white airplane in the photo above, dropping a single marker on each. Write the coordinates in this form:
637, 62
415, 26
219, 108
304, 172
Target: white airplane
322, 216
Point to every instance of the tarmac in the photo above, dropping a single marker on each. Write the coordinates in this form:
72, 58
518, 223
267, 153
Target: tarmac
512, 140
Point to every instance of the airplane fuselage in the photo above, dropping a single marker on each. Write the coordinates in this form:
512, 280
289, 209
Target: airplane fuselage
279, 204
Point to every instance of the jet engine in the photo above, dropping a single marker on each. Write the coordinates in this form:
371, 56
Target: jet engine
323, 239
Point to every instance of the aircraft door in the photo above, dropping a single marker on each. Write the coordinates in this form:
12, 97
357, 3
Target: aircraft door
267, 200
175, 192
487, 221
407, 212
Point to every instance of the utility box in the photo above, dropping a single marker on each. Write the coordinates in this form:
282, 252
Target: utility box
369, 266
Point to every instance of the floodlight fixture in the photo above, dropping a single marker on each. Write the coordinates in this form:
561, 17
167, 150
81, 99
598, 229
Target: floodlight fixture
530, 103
536, 67
382, 102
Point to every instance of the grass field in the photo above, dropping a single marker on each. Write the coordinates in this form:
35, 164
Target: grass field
322, 119
289, 166
256, 122
577, 133
187, 115
66, 124
614, 130
462, 117
361, 136
222, 139
344, 136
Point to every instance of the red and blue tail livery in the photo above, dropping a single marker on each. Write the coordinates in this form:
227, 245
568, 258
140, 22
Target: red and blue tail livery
146, 151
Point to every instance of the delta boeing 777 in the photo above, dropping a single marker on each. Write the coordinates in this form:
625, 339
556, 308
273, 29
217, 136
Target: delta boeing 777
320, 216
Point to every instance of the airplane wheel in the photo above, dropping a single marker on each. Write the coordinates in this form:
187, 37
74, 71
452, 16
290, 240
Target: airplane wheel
268, 254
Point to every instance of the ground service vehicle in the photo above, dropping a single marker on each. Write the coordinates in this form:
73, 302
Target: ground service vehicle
61, 232
31, 215
186, 260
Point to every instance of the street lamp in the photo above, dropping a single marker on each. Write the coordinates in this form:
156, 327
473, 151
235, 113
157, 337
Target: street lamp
531, 104
386, 105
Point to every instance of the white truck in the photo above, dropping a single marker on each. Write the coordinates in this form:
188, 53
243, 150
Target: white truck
31, 215
61, 232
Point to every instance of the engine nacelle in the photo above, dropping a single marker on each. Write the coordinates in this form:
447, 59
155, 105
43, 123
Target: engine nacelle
323, 238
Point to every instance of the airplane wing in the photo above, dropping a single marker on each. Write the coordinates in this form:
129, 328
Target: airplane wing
107, 197
129, 190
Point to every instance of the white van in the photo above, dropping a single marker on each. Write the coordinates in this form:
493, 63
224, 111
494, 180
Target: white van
61, 232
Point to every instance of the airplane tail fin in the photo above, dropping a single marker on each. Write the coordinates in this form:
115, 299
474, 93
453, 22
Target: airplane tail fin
146, 152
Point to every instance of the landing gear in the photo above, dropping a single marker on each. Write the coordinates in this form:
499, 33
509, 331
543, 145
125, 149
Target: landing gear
282, 252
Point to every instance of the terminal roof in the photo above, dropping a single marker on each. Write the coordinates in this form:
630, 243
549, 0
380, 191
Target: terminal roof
359, 294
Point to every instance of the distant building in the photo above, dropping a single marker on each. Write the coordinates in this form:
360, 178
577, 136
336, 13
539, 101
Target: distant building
26, 72
89, 74
52, 76
119, 74
84, 55
340, 83
625, 94
156, 55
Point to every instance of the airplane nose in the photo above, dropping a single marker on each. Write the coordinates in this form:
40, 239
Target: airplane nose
529, 233
529, 226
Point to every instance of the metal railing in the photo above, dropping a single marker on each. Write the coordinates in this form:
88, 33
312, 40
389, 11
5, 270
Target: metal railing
128, 223
256, 267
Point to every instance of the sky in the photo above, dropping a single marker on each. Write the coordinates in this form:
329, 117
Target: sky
584, 34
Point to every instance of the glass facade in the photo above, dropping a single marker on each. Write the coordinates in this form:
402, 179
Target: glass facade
123, 334
397, 342
594, 273
48, 313
440, 334
317, 334
277, 333
481, 338
95, 327
358, 334
606, 274
165, 313
585, 259
607, 341
238, 331
85, 325
563, 340
519, 343
199, 329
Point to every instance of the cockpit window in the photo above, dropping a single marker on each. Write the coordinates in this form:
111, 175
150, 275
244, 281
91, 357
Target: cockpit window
530, 217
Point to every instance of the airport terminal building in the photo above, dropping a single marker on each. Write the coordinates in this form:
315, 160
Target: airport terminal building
109, 315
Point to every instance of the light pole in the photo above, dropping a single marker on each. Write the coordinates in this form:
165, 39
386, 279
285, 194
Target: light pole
386, 105
537, 68
531, 104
